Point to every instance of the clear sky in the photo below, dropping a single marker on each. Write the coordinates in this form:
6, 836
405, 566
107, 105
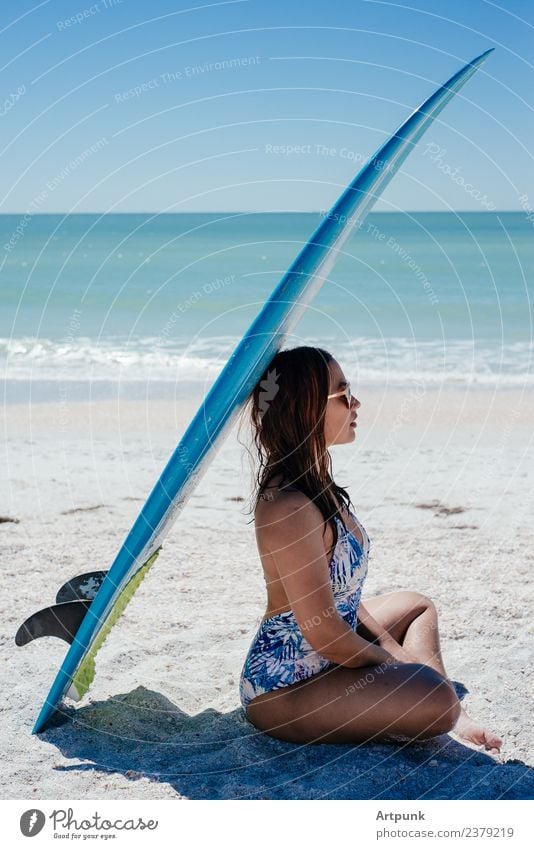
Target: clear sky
259, 104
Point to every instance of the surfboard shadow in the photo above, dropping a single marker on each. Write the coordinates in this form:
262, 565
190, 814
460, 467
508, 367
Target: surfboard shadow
213, 755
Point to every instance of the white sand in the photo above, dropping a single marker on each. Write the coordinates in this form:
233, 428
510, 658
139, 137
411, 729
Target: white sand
163, 718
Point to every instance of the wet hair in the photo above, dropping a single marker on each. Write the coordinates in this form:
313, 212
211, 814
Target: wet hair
287, 413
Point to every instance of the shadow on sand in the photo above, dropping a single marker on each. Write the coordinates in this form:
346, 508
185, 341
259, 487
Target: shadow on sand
214, 755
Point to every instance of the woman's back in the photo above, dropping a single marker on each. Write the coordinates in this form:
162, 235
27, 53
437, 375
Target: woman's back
279, 502
307, 591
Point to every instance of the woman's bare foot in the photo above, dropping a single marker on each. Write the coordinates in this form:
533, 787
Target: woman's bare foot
469, 730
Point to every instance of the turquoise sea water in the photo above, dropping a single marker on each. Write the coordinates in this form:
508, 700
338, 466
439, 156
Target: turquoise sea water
429, 296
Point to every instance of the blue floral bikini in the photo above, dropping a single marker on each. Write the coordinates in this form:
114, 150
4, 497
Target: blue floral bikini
279, 654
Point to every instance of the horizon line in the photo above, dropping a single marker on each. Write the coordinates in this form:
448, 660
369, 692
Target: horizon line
278, 212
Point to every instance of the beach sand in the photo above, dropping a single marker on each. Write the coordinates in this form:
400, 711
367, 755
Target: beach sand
442, 481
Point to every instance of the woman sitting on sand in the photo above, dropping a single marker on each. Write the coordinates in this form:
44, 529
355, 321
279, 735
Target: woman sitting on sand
324, 667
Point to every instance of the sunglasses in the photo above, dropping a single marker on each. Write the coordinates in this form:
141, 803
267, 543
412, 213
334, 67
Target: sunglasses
346, 392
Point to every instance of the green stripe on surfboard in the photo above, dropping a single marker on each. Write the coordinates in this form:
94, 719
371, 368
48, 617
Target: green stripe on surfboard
86, 671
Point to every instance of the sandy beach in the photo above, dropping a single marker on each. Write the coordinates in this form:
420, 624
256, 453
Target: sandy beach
442, 479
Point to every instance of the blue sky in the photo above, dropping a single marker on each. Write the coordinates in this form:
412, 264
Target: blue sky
259, 104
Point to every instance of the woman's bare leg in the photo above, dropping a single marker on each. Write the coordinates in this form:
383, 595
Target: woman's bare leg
343, 705
413, 623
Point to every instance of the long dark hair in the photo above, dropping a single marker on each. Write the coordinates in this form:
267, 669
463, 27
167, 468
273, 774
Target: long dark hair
287, 412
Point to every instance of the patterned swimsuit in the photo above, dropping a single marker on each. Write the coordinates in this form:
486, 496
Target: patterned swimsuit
279, 654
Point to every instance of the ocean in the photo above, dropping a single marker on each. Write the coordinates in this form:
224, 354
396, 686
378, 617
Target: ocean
161, 300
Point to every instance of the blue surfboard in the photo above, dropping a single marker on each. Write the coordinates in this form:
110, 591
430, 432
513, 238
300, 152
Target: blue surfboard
229, 393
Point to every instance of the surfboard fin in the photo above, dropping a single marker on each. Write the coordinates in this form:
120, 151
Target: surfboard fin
63, 619
81, 587
59, 620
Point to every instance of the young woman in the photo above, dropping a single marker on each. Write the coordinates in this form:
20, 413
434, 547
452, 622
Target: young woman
325, 667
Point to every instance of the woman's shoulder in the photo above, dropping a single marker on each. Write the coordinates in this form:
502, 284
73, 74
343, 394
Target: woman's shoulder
287, 514
283, 504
